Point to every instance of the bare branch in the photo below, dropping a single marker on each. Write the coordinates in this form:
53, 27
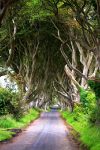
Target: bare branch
61, 86
64, 55
61, 93
69, 64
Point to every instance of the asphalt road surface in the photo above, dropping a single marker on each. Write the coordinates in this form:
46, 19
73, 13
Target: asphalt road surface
47, 133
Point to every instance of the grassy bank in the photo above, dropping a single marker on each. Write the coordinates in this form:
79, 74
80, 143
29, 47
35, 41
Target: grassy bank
89, 134
8, 122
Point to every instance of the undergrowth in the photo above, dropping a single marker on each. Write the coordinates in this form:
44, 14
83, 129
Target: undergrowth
89, 134
5, 134
8, 122
83, 121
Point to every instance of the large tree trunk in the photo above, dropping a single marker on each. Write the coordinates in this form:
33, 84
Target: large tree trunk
72, 78
86, 60
75, 95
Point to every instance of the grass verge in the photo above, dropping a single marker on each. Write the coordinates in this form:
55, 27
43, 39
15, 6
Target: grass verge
5, 134
89, 134
8, 122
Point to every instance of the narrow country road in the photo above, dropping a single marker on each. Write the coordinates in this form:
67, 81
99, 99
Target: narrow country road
46, 133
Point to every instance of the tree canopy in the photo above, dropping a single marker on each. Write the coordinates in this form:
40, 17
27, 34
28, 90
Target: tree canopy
50, 48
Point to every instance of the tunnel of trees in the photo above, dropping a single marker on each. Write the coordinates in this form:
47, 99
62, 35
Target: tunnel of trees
51, 49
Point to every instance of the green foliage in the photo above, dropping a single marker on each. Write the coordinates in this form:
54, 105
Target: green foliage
8, 122
31, 115
83, 119
89, 135
9, 102
88, 100
89, 105
95, 86
96, 147
5, 98
95, 115
5, 134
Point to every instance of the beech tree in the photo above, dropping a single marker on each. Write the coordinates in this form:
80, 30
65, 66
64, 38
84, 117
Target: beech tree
77, 31
47, 43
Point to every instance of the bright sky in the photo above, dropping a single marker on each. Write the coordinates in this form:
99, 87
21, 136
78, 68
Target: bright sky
2, 81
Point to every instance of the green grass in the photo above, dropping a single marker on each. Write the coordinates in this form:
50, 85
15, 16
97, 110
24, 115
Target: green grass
8, 122
89, 134
5, 134
32, 115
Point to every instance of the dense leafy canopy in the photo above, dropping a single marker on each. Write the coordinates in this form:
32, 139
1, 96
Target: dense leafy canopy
50, 48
